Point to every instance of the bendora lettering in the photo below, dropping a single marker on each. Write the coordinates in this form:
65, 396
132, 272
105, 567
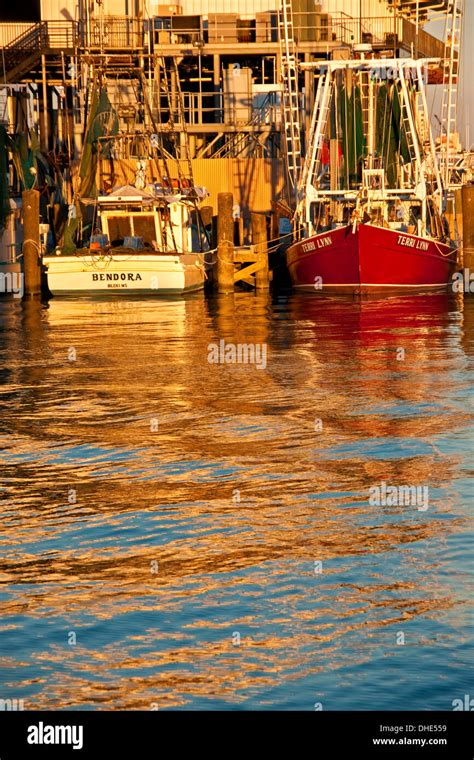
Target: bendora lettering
115, 276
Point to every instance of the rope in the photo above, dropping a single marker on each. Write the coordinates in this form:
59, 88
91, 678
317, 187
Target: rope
33, 242
450, 252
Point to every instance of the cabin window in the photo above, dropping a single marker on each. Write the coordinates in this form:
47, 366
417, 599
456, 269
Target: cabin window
133, 225
144, 227
119, 228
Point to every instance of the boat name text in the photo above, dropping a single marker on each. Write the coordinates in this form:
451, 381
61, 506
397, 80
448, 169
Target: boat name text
114, 276
419, 245
318, 243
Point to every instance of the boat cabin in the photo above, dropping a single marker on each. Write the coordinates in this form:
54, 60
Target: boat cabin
143, 221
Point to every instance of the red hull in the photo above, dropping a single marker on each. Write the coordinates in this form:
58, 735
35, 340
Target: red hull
371, 258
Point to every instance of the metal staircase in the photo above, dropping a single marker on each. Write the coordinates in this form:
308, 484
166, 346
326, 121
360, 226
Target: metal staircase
23, 52
20, 56
247, 142
290, 99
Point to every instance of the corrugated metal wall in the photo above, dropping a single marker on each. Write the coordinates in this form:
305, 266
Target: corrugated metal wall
250, 7
370, 8
241, 7
254, 182
59, 10
9, 32
70, 10
66, 9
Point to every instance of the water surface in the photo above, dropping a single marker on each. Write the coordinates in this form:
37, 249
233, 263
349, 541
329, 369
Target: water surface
180, 534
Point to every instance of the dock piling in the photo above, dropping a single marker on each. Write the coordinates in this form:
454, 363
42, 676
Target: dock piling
225, 243
468, 226
31, 240
259, 238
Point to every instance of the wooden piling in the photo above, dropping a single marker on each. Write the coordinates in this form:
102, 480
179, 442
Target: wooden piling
468, 226
258, 224
225, 243
31, 239
458, 224
206, 215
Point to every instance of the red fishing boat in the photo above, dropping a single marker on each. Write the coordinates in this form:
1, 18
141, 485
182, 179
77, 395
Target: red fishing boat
368, 257
371, 192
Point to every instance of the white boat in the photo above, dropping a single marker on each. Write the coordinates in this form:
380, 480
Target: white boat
143, 244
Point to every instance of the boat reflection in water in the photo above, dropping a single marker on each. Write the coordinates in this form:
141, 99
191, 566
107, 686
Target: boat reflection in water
173, 513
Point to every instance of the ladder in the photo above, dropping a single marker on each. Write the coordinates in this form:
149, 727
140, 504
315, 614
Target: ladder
409, 121
424, 128
451, 70
290, 99
364, 85
319, 124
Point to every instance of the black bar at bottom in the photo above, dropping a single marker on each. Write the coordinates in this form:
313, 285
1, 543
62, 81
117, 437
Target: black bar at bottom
84, 734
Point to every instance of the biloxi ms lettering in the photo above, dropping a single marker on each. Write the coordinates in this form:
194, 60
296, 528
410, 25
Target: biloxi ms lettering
41, 734
318, 243
408, 242
114, 276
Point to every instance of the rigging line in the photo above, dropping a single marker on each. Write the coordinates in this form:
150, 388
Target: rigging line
354, 111
338, 136
184, 132
394, 90
387, 125
345, 136
401, 129
158, 133
169, 96
384, 122
148, 107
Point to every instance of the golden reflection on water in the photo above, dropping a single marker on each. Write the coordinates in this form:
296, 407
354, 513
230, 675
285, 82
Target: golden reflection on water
226, 561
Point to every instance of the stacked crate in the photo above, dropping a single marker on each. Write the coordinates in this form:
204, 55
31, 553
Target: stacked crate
266, 27
223, 27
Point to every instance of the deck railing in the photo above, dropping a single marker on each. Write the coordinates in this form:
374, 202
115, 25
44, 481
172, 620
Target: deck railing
120, 33
112, 33
44, 34
383, 32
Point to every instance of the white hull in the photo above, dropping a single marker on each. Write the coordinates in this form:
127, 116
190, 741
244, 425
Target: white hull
136, 273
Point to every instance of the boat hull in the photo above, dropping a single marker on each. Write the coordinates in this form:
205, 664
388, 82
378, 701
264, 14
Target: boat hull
371, 258
150, 274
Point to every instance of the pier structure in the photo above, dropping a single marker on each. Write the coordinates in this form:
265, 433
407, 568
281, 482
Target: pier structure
211, 70
228, 63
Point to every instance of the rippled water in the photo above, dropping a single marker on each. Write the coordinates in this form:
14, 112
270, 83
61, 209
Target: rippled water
156, 507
